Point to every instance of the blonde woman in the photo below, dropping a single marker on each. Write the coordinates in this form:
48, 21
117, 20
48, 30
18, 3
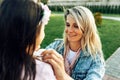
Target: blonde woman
81, 49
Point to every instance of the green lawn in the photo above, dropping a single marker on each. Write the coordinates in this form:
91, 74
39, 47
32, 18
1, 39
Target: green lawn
54, 29
109, 33
110, 36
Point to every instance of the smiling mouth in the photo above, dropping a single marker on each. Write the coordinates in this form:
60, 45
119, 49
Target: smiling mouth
71, 35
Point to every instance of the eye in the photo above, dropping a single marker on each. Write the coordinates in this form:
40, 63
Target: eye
67, 24
75, 25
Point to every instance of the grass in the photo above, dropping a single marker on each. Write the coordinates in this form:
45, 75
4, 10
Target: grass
109, 33
54, 29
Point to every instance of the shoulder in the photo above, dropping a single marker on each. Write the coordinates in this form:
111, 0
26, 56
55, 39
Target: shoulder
44, 71
58, 45
55, 44
42, 66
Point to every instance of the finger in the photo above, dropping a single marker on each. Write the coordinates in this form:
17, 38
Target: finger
52, 63
51, 51
53, 57
55, 66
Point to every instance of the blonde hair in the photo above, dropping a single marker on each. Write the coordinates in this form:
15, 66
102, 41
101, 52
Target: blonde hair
90, 40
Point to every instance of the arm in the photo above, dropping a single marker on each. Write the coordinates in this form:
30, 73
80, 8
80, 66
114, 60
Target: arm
97, 69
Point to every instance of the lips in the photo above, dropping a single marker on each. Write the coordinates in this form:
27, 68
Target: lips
71, 35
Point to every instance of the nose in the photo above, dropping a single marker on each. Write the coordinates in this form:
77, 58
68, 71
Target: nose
70, 29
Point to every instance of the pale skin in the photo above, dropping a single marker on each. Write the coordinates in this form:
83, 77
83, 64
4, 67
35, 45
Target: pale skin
40, 37
74, 34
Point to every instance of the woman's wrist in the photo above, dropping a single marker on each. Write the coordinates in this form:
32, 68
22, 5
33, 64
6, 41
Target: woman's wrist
66, 77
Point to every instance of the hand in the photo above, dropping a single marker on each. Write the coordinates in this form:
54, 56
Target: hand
57, 62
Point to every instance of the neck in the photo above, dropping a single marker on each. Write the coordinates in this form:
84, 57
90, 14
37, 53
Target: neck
37, 47
74, 46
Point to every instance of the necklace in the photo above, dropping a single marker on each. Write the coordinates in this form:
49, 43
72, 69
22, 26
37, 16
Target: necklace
69, 66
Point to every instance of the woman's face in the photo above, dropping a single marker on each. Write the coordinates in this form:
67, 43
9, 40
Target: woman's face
40, 37
73, 33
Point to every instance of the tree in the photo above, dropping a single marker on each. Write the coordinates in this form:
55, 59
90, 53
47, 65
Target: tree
44, 1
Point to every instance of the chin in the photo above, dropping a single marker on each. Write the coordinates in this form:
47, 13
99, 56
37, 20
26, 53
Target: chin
73, 40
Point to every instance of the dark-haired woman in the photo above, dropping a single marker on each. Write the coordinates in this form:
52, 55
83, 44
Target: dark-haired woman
21, 32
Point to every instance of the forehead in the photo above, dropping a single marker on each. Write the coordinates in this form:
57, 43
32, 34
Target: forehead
70, 19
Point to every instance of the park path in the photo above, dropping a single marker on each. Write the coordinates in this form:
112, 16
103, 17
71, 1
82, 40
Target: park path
112, 18
113, 66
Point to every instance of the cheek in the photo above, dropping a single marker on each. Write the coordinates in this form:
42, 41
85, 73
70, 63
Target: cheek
42, 35
80, 34
66, 30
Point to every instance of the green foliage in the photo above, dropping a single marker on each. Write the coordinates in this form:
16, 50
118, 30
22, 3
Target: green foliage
59, 8
44, 1
98, 19
56, 8
109, 9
